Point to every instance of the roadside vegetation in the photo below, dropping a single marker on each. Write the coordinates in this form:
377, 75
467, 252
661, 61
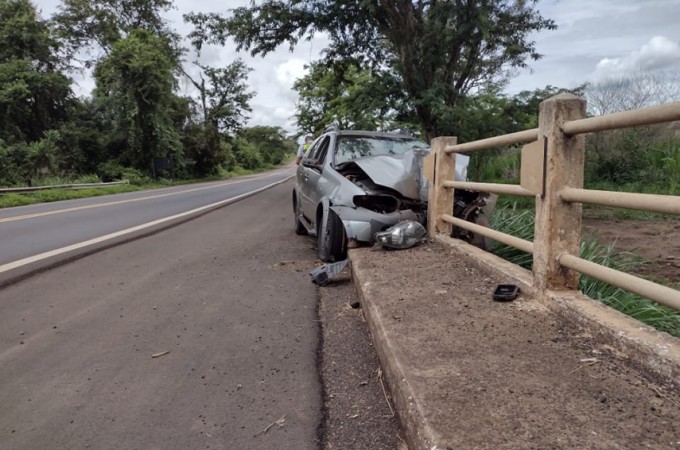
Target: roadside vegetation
520, 223
135, 125
57, 194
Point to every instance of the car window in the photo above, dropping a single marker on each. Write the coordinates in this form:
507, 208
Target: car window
350, 148
312, 148
319, 152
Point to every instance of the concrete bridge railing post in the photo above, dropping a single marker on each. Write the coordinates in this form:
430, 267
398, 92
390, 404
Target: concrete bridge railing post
558, 223
440, 199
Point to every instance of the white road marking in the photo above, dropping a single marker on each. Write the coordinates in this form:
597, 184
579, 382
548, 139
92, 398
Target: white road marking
31, 259
120, 202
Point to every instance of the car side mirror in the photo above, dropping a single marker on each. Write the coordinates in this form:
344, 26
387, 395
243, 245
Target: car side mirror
312, 164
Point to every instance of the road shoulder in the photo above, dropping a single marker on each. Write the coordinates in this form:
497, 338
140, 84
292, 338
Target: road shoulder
357, 409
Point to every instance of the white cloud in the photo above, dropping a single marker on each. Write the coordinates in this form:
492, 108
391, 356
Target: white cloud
289, 71
591, 32
659, 52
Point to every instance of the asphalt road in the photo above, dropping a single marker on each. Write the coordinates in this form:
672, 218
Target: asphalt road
35, 229
83, 360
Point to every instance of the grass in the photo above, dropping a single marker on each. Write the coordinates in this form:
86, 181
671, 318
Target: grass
54, 195
520, 223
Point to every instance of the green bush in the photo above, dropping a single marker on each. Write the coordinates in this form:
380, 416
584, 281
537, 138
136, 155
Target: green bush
91, 178
135, 176
500, 167
14, 164
247, 155
110, 171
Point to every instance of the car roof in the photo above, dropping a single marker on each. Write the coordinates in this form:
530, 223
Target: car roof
376, 134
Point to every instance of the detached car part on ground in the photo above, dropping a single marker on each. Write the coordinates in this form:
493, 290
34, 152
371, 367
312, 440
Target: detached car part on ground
352, 184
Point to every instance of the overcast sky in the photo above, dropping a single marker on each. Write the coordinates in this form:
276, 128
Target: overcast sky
595, 39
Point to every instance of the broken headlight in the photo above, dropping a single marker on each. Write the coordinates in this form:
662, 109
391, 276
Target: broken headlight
403, 235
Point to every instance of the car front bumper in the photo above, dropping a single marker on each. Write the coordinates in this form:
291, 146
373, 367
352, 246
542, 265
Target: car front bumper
361, 223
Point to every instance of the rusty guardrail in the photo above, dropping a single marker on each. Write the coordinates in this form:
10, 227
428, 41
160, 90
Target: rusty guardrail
558, 153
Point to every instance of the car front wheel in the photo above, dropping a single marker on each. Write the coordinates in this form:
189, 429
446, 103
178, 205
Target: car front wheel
300, 229
332, 244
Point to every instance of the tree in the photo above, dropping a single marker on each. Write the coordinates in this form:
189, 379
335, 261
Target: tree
224, 94
491, 113
135, 83
34, 93
633, 91
96, 25
646, 154
359, 99
223, 101
442, 50
270, 142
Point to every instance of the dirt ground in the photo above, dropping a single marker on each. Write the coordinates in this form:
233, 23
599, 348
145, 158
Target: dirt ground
656, 242
358, 409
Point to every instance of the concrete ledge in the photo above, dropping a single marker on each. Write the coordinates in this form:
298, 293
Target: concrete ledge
643, 345
547, 370
410, 411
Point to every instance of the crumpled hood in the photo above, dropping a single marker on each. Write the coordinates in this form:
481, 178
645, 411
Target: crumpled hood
404, 173
398, 172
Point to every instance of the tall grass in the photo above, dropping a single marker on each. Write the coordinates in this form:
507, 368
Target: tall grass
521, 224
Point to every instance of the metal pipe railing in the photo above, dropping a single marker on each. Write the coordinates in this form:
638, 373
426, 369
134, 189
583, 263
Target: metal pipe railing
508, 239
520, 137
644, 116
653, 291
560, 118
494, 188
667, 204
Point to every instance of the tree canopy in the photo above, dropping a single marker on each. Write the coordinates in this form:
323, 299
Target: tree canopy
136, 82
440, 50
96, 25
353, 98
34, 93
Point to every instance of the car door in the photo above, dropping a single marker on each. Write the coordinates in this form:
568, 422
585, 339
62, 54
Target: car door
311, 183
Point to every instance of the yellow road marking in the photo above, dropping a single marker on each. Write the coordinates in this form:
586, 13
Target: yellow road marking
120, 202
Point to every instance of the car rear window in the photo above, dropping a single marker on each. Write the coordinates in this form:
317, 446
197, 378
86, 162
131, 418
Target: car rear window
350, 148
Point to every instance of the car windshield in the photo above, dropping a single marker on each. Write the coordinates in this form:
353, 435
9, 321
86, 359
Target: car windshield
350, 148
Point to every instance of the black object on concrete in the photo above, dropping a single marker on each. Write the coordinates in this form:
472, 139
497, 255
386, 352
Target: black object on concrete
505, 292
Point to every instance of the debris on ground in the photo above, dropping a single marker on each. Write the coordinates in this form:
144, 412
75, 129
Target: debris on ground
280, 423
505, 292
159, 354
322, 275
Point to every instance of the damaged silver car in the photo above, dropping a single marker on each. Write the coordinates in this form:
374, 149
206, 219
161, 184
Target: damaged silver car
353, 184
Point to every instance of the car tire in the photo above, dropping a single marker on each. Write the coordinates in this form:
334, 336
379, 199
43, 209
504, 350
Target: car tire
300, 229
331, 240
